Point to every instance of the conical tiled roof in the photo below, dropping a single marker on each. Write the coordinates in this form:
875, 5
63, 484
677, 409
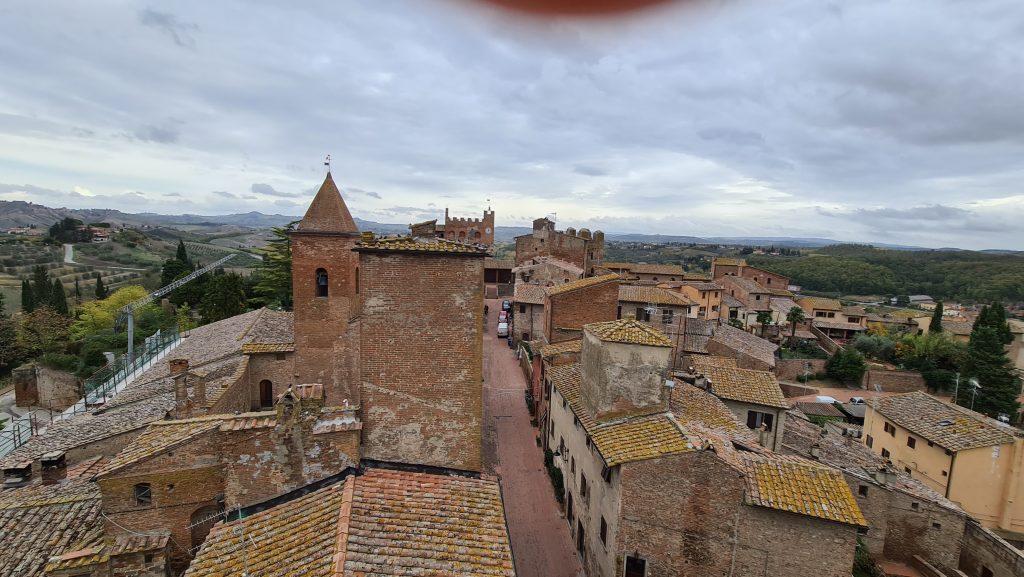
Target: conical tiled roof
327, 212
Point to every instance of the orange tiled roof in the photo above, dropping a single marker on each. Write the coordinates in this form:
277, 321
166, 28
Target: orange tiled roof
701, 362
629, 331
573, 346
255, 348
664, 269
653, 295
820, 303
380, 523
950, 426
581, 283
529, 293
692, 405
626, 440
414, 245
745, 385
729, 261
800, 486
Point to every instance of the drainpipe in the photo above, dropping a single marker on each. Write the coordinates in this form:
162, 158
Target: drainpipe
949, 479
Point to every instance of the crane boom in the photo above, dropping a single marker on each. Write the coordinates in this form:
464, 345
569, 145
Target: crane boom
127, 313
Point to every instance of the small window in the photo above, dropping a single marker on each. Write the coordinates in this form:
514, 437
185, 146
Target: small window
618, 312
889, 428
143, 494
526, 336
280, 357
862, 490
635, 567
604, 531
757, 420
936, 525
522, 308
862, 530
321, 283
911, 442
147, 558
915, 505
606, 474
869, 440
908, 471
945, 473
583, 486
572, 465
885, 453
666, 316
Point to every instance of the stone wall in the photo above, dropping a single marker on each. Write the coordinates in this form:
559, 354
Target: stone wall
774, 543
790, 369
279, 369
893, 381
743, 360
422, 349
983, 549
795, 390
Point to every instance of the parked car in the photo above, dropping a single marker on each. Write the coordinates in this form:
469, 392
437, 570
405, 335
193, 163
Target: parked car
506, 305
502, 329
502, 316
856, 400
826, 399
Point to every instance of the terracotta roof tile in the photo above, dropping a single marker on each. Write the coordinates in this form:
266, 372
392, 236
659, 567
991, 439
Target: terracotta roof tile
820, 409
581, 283
724, 261
327, 212
529, 293
653, 295
414, 245
800, 486
820, 303
630, 331
745, 385
573, 346
380, 523
839, 325
746, 343
703, 285
694, 406
662, 269
949, 426
701, 362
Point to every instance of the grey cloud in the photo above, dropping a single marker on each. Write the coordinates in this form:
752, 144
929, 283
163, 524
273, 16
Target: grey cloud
287, 203
224, 194
369, 193
261, 188
589, 170
172, 194
151, 133
180, 32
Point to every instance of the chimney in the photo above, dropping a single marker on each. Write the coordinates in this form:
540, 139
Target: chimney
199, 391
182, 404
17, 475
816, 451
55, 467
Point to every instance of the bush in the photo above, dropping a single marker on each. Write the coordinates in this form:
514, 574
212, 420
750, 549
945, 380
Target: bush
557, 481
939, 379
59, 361
846, 366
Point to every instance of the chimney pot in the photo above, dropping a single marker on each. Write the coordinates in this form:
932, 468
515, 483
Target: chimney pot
18, 475
54, 466
178, 366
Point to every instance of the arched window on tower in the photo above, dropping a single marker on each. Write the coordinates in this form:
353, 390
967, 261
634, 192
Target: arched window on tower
321, 282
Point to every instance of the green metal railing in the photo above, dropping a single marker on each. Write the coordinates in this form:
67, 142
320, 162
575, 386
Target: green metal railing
102, 382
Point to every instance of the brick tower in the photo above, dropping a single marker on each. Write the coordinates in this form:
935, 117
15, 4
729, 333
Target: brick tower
325, 279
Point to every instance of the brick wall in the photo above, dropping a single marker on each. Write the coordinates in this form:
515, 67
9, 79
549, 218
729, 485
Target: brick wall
684, 527
280, 373
422, 363
761, 276
983, 549
326, 346
567, 312
893, 381
743, 360
793, 368
36, 385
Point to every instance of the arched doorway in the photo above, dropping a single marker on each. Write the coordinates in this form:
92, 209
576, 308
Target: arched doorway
266, 394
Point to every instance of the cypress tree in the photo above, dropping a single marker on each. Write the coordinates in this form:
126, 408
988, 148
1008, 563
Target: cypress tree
28, 298
78, 293
58, 299
936, 325
182, 253
101, 291
41, 287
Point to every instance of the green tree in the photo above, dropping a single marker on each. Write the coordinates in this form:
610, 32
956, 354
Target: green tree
275, 273
795, 316
172, 270
9, 350
763, 318
58, 300
78, 293
28, 298
987, 362
846, 366
935, 326
182, 254
42, 290
101, 290
225, 297
42, 331
183, 317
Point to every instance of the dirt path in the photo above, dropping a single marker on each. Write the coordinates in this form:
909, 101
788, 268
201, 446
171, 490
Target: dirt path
539, 534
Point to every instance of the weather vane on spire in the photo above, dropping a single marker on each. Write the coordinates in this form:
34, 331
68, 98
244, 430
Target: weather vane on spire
327, 162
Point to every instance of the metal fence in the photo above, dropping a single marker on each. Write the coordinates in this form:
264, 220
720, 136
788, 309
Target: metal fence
16, 432
100, 386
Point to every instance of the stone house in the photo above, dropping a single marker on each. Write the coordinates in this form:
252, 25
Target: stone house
546, 271
653, 305
722, 267
656, 487
749, 350
753, 297
707, 295
36, 385
753, 396
528, 319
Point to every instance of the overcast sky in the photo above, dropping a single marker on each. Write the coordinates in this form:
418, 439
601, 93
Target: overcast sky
895, 121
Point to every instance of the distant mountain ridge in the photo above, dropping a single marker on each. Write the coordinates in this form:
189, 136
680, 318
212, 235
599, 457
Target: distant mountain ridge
16, 213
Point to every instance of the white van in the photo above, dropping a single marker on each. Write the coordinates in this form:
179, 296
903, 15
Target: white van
502, 329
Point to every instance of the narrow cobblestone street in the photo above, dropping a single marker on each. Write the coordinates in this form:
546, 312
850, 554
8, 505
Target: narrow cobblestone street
540, 537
